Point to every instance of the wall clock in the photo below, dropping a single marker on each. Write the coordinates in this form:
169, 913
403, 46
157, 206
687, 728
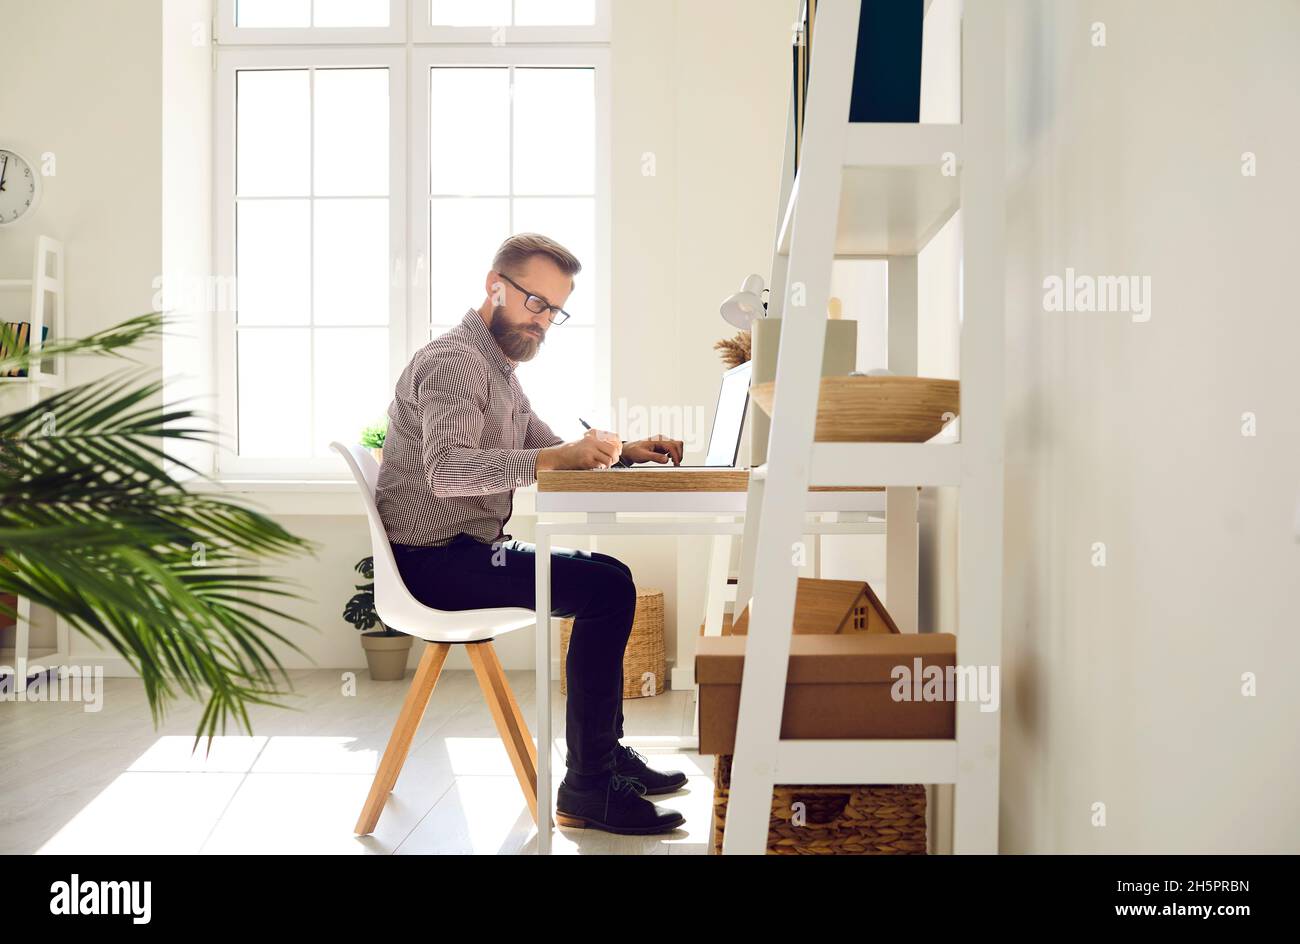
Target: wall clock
20, 187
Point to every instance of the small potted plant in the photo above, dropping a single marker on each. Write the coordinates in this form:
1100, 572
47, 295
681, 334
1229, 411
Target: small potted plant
387, 649
373, 436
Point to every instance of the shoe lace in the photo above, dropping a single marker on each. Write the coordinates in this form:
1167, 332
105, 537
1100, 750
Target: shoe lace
630, 753
618, 783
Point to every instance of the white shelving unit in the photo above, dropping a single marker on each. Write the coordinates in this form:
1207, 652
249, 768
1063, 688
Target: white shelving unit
881, 190
46, 287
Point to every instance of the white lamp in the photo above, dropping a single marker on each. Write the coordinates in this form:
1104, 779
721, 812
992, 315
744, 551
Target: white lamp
743, 307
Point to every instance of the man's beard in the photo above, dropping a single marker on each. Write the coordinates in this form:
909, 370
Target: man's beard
520, 343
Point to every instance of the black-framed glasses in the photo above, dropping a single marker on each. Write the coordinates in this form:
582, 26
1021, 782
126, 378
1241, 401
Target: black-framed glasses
538, 305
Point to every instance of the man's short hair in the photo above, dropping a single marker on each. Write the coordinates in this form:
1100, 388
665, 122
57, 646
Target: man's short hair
521, 247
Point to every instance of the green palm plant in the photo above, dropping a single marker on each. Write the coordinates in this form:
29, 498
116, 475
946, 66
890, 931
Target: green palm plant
94, 526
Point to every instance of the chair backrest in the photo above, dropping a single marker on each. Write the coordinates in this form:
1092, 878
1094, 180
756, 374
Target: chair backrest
393, 602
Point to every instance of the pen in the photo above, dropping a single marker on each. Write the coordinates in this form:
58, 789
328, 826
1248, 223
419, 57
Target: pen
621, 461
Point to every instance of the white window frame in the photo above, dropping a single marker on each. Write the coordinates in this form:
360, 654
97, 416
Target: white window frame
229, 34
408, 54
422, 31
230, 465
424, 59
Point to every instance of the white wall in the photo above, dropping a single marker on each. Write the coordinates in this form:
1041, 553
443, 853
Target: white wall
188, 351
81, 98
82, 85
1122, 683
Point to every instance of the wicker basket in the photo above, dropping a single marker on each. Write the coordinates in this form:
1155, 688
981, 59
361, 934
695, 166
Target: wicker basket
644, 654
867, 819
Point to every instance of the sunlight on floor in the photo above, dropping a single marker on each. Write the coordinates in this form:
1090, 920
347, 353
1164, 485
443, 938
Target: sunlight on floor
302, 794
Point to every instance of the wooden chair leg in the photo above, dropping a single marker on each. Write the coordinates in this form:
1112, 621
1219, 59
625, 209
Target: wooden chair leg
509, 719
417, 699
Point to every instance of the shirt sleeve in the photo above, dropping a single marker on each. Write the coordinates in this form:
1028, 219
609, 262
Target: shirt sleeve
452, 394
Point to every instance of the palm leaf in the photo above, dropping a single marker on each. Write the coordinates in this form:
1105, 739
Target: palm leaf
94, 525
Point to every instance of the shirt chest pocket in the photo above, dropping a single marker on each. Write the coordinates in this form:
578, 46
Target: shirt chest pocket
505, 422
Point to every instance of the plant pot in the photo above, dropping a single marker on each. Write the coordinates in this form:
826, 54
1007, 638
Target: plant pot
378, 453
386, 655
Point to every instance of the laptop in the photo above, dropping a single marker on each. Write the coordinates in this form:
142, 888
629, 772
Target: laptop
728, 423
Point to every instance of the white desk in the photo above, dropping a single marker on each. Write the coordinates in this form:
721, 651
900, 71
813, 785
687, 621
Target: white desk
669, 502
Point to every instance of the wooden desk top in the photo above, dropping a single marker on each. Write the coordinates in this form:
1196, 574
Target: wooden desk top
664, 480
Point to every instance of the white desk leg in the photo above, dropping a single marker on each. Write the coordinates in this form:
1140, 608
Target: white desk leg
749, 544
902, 571
714, 608
716, 591
901, 546
543, 603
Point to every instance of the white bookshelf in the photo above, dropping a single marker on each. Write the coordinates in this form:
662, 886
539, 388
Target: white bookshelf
881, 190
45, 290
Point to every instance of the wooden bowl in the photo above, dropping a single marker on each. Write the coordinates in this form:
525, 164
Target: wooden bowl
877, 409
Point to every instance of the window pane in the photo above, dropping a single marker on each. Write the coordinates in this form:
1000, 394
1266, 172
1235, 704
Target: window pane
560, 380
272, 268
469, 131
469, 12
272, 14
351, 13
463, 238
274, 392
273, 118
351, 383
554, 140
555, 12
351, 124
571, 222
351, 275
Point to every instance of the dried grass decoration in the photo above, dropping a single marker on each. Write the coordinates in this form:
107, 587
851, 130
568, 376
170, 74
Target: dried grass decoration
735, 351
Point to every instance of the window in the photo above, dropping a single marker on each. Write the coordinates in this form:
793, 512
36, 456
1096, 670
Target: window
242, 22
512, 149
340, 274
497, 22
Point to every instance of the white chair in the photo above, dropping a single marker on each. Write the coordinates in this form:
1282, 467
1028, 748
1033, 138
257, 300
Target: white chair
441, 629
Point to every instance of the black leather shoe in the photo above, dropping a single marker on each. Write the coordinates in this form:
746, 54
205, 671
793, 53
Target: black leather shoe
631, 764
617, 806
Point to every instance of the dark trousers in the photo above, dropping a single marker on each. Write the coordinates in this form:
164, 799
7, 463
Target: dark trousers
595, 589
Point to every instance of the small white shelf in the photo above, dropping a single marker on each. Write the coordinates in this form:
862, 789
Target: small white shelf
895, 195
46, 312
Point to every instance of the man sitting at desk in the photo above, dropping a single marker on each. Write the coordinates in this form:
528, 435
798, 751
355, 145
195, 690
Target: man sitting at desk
461, 438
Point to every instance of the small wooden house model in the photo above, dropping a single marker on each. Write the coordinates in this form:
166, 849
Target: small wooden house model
830, 607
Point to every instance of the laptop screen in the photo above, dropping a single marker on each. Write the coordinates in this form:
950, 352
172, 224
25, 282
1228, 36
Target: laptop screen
729, 419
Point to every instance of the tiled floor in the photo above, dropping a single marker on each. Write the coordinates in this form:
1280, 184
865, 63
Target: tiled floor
109, 782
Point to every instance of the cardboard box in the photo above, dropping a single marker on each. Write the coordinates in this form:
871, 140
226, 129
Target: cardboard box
837, 686
831, 606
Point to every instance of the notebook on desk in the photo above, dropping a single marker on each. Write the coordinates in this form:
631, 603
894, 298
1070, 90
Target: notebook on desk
728, 423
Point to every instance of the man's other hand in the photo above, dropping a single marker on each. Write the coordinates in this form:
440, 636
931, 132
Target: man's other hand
659, 449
